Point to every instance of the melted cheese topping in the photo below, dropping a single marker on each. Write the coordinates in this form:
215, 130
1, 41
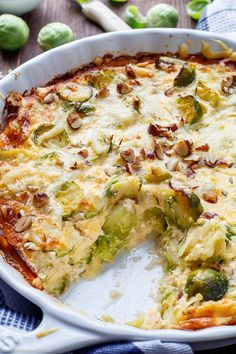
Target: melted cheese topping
109, 157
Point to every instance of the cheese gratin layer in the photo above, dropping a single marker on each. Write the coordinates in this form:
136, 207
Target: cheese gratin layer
119, 151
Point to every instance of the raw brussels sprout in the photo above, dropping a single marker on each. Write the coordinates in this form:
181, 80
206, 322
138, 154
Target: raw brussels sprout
116, 229
186, 76
182, 208
74, 92
195, 8
100, 78
54, 34
14, 32
212, 284
155, 174
207, 94
134, 18
162, 15
190, 108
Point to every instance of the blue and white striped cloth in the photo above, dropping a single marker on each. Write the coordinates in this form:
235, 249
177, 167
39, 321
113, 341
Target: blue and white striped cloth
19, 313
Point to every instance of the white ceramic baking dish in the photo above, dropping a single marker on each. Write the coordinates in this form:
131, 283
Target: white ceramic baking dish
73, 320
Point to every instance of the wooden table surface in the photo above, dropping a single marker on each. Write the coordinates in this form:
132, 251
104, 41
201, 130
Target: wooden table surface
68, 12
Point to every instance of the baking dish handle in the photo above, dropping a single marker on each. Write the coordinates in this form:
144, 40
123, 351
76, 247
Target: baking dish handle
52, 336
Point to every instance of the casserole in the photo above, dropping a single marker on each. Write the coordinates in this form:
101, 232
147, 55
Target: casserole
156, 41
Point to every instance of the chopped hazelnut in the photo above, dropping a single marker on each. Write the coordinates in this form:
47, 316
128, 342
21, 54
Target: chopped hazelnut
74, 121
23, 223
40, 200
183, 148
123, 88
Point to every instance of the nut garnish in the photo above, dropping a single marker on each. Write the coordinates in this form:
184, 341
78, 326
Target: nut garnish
210, 196
74, 121
165, 132
123, 88
159, 151
227, 84
40, 200
208, 215
103, 92
23, 223
84, 153
136, 165
172, 165
150, 155
183, 148
130, 72
169, 92
128, 155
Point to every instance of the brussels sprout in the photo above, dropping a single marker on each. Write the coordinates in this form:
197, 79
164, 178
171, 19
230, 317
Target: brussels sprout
118, 187
69, 195
75, 92
191, 109
117, 226
156, 216
134, 18
54, 34
182, 208
186, 76
212, 284
14, 32
156, 174
195, 8
162, 15
207, 94
100, 78
120, 220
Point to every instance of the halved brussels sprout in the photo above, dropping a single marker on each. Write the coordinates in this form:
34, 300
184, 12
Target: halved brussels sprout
211, 284
157, 174
69, 195
120, 220
156, 216
75, 92
182, 208
186, 76
100, 78
207, 94
117, 226
190, 108
119, 187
